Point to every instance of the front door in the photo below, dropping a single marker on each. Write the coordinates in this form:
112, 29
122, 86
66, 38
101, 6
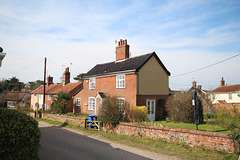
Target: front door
150, 104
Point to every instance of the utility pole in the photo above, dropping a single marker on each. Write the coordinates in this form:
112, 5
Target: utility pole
44, 83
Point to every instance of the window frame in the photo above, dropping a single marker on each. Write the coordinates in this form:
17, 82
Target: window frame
92, 83
49, 96
120, 81
78, 102
121, 104
91, 105
230, 96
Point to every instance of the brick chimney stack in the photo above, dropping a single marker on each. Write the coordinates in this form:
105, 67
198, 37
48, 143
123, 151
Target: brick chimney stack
122, 50
66, 76
49, 80
194, 84
222, 82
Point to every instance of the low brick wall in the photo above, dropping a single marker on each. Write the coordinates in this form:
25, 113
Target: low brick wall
193, 138
68, 119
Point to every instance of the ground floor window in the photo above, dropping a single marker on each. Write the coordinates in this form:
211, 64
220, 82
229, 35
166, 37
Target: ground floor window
121, 103
91, 103
78, 102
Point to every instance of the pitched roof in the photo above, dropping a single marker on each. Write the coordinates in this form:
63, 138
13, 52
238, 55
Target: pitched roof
230, 88
130, 64
13, 96
56, 88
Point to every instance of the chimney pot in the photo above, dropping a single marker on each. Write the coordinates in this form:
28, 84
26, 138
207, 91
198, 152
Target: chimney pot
66, 76
222, 82
122, 50
49, 80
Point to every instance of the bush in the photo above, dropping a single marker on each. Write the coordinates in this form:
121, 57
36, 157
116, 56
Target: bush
111, 112
138, 114
20, 135
231, 120
62, 103
179, 107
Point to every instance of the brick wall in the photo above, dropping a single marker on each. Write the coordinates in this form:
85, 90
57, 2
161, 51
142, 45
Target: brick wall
69, 119
193, 138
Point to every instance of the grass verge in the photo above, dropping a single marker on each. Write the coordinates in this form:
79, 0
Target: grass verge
180, 150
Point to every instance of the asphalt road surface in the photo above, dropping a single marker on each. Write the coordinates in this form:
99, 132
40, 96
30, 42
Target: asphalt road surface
58, 143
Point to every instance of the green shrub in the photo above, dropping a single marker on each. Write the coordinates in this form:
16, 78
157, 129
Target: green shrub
19, 135
138, 114
231, 120
62, 103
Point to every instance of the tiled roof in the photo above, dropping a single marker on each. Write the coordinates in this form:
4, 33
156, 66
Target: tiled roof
133, 63
13, 96
56, 88
222, 102
230, 88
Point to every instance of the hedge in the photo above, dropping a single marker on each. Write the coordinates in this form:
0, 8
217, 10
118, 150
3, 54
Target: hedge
19, 135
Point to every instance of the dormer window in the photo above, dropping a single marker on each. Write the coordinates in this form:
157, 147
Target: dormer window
120, 81
92, 83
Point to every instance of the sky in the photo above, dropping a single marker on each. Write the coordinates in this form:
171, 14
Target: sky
186, 35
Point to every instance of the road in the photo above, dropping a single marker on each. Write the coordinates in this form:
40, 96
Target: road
58, 143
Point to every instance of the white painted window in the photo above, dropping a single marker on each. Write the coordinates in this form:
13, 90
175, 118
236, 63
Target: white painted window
121, 103
120, 81
49, 97
78, 102
213, 96
91, 103
230, 96
92, 83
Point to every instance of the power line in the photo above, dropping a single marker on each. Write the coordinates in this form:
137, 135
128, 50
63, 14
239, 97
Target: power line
206, 66
28, 66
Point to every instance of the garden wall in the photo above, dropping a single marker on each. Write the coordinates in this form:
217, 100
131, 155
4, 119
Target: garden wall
68, 119
193, 138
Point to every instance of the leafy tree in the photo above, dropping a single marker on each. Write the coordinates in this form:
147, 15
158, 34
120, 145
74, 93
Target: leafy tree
79, 77
62, 103
35, 84
12, 84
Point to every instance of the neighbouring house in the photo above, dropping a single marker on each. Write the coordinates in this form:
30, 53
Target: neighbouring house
52, 90
12, 99
226, 95
139, 81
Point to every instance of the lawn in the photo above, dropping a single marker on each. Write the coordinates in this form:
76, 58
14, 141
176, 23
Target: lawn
182, 125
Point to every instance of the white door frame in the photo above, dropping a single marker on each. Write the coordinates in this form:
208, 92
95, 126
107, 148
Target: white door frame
151, 107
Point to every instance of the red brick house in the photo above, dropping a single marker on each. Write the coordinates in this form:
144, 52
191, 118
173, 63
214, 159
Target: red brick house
52, 90
140, 81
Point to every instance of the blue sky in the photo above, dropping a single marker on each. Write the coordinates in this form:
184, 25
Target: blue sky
186, 35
